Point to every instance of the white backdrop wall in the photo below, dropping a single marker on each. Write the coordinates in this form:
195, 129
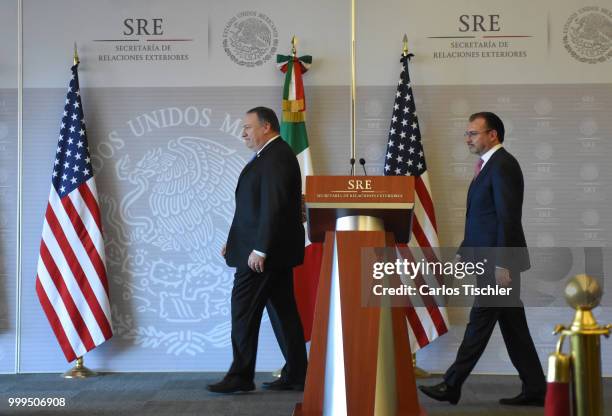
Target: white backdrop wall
163, 111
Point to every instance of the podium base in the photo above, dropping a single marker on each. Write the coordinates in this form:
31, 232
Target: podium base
297, 411
360, 359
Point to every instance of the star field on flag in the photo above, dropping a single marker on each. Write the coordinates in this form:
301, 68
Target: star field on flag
72, 166
404, 149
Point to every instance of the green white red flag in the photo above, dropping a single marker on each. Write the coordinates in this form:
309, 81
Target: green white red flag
293, 131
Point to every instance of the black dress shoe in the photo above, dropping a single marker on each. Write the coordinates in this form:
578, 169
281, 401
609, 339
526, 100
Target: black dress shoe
231, 385
267, 383
523, 400
442, 392
283, 384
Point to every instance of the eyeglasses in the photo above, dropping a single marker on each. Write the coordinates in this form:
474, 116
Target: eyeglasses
472, 133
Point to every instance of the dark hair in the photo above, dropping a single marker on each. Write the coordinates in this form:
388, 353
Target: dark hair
266, 115
493, 123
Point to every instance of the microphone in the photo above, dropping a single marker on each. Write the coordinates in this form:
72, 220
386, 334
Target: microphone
352, 162
362, 163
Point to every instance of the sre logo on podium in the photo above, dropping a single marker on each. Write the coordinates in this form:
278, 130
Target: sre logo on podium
359, 184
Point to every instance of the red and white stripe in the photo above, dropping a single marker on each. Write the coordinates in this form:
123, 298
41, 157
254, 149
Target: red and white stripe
71, 280
425, 323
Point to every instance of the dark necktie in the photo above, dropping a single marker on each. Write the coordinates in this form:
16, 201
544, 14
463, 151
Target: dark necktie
478, 167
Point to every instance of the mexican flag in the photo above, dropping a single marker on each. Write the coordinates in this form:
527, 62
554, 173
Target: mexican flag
293, 131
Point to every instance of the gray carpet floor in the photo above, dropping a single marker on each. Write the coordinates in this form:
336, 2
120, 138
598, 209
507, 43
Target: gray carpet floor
177, 394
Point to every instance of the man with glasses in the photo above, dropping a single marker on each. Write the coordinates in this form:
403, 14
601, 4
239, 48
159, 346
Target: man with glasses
265, 242
493, 219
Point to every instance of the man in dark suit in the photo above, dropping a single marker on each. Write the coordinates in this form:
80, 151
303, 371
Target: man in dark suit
265, 242
493, 219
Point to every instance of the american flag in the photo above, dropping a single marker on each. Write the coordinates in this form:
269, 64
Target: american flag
405, 156
71, 278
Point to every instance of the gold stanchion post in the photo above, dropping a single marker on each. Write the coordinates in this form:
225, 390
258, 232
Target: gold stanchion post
583, 293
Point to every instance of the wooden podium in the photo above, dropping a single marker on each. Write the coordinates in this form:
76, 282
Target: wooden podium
360, 360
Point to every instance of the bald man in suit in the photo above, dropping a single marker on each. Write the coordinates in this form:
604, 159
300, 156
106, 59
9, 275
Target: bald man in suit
265, 242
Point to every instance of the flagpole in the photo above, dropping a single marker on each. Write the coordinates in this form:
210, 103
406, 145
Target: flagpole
353, 88
418, 372
19, 183
278, 373
79, 370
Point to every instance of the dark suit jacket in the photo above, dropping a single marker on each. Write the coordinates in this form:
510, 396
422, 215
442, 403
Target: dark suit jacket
494, 210
268, 216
